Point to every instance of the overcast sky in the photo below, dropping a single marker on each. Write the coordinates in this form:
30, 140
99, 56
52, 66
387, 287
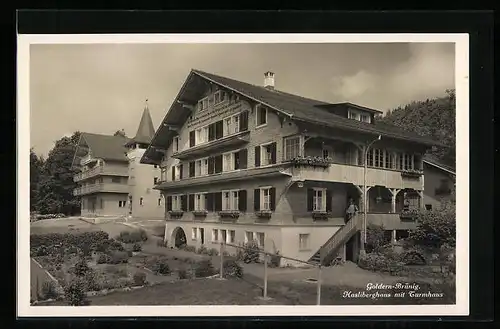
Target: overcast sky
101, 88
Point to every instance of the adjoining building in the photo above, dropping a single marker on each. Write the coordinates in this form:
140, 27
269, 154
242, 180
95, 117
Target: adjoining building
242, 162
439, 182
111, 180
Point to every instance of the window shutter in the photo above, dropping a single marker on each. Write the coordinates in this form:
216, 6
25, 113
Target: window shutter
243, 159
242, 200
209, 202
256, 199
272, 197
328, 200
169, 203
190, 202
191, 169
236, 161
218, 164
310, 194
211, 132
219, 127
244, 121
173, 173
184, 202
191, 139
273, 153
257, 156
181, 169
211, 162
218, 201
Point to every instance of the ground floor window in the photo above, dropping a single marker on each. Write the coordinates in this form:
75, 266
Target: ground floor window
248, 236
194, 233
319, 200
304, 241
260, 239
215, 235
232, 236
121, 204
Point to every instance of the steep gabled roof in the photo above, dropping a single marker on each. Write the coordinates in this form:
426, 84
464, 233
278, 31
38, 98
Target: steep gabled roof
435, 162
106, 147
146, 130
296, 107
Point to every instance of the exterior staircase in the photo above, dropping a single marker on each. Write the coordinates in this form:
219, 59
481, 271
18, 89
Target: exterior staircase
329, 250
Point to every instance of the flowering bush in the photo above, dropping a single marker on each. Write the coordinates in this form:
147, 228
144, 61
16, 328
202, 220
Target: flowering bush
379, 263
75, 293
311, 161
229, 213
204, 268
232, 269
161, 267
251, 252
132, 236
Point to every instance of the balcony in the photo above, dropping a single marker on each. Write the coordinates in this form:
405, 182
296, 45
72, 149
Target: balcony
390, 221
221, 144
101, 170
343, 173
101, 188
87, 159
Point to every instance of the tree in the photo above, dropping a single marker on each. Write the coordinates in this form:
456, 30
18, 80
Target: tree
436, 228
434, 118
55, 186
36, 166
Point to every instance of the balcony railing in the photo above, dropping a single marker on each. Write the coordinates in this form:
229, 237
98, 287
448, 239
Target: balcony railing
101, 170
343, 173
101, 187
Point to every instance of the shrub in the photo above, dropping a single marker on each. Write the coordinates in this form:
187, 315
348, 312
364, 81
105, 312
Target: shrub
81, 267
232, 269
139, 279
91, 281
161, 243
190, 248
240, 254
436, 228
137, 247
132, 236
251, 252
161, 267
202, 250
375, 237
275, 260
204, 268
212, 252
379, 263
49, 290
75, 293
104, 259
118, 257
182, 273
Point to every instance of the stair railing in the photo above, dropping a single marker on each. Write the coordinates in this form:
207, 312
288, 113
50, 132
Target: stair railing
340, 235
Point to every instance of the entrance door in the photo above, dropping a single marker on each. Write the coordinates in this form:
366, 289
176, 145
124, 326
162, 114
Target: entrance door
202, 235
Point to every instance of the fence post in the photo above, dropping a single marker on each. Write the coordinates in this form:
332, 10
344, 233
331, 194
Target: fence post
318, 297
265, 276
222, 260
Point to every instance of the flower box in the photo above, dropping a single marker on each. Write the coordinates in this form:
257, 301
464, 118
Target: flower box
200, 213
311, 161
264, 213
176, 213
411, 173
229, 214
320, 215
409, 214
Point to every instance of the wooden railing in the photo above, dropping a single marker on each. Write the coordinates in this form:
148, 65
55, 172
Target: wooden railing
99, 170
101, 187
340, 237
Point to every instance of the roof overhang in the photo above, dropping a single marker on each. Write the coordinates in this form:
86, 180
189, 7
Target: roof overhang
433, 164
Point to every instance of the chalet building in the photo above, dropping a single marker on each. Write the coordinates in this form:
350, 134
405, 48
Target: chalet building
242, 162
111, 180
439, 182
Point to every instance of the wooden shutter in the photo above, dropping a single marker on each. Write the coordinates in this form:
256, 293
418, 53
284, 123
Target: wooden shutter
209, 204
243, 157
169, 203
244, 121
211, 165
211, 132
310, 194
257, 156
184, 202
191, 139
218, 201
191, 168
328, 200
173, 173
256, 199
236, 157
190, 202
242, 200
181, 169
273, 153
218, 163
272, 197
219, 127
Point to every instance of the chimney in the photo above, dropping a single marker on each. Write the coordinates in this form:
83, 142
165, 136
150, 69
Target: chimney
269, 80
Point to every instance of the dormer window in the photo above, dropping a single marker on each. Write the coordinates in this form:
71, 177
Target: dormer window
359, 116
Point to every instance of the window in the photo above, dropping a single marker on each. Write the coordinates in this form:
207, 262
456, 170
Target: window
201, 135
325, 153
232, 236
223, 235
428, 207
215, 235
159, 201
303, 241
176, 202
227, 126
230, 200
261, 116
369, 158
248, 236
407, 161
260, 239
114, 180
228, 163
141, 201
292, 147
353, 115
378, 158
194, 233
319, 200
265, 196
232, 125
235, 199
388, 159
236, 124
267, 155
155, 180
177, 170
201, 167
365, 118
199, 201
121, 204
175, 143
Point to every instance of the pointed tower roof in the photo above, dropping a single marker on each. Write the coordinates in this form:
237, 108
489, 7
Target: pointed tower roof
146, 130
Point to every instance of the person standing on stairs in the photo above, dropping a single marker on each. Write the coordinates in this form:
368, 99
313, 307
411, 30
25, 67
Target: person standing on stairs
351, 210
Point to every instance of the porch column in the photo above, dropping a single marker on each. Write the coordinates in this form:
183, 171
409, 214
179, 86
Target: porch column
165, 234
361, 197
420, 199
393, 237
394, 193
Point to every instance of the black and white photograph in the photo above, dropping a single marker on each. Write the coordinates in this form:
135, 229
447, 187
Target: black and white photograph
243, 170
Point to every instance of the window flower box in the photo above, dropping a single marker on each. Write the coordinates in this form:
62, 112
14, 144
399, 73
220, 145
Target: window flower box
412, 173
311, 161
321, 215
176, 213
409, 214
200, 213
264, 213
229, 214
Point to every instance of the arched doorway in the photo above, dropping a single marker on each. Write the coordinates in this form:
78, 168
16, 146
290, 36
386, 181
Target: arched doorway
179, 237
